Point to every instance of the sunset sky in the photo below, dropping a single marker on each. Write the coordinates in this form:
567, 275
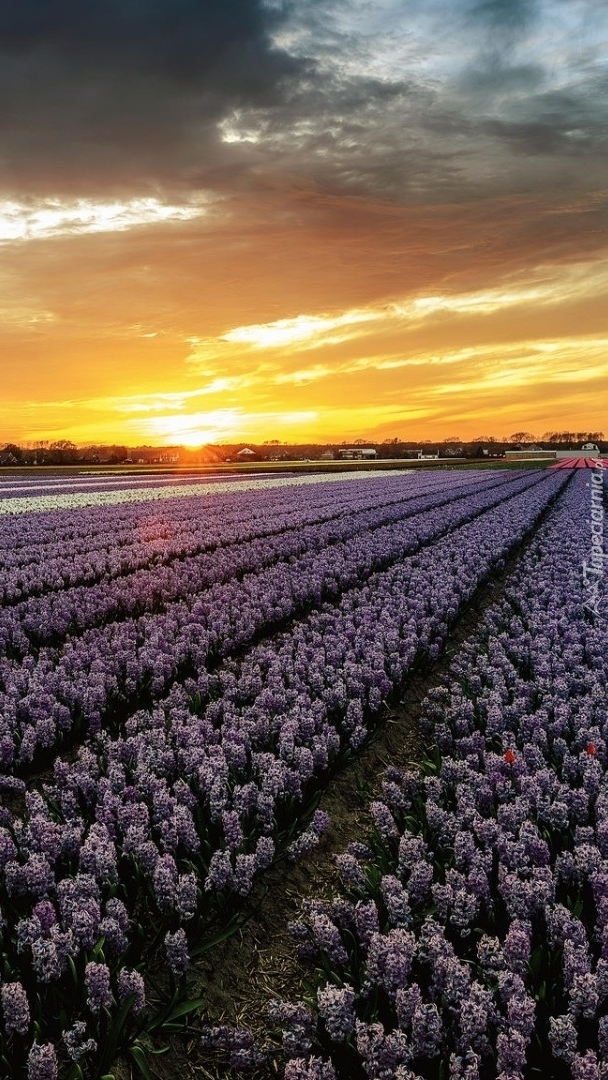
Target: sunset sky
302, 220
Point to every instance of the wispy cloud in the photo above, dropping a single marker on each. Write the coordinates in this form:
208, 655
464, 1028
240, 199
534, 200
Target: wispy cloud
544, 288
43, 218
22, 315
303, 330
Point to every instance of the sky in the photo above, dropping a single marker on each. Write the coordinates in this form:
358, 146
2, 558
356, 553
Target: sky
303, 220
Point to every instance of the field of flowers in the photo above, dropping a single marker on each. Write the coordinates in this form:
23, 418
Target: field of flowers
471, 936
183, 665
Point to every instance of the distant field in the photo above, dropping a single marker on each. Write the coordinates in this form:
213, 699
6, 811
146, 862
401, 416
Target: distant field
271, 467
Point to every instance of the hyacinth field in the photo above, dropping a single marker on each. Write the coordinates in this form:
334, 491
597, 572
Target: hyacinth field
184, 664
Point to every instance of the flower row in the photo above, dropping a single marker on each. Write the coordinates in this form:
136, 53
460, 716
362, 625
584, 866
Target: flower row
141, 837
473, 932
45, 551
110, 671
150, 580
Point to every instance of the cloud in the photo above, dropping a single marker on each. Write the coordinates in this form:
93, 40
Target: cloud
128, 93
182, 40
538, 290
268, 200
504, 15
43, 218
401, 102
303, 330
28, 318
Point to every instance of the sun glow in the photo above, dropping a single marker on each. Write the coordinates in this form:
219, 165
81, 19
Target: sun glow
191, 429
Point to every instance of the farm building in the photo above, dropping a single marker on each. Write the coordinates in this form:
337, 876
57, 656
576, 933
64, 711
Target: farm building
587, 450
357, 453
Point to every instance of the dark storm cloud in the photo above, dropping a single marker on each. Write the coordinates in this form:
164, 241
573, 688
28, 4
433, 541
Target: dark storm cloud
116, 89
182, 39
394, 99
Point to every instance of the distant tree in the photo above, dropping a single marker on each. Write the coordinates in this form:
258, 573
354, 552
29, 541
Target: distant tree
559, 436
521, 437
62, 452
11, 450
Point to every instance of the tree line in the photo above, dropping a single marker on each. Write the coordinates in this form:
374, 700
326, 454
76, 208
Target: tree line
65, 452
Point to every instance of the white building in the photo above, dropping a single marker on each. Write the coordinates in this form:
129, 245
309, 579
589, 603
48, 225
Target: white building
588, 450
357, 453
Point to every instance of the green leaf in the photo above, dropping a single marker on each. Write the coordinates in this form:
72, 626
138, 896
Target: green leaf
115, 1027
6, 1064
185, 1008
72, 967
231, 928
97, 953
118, 1023
166, 1021
140, 1060
160, 1017
535, 961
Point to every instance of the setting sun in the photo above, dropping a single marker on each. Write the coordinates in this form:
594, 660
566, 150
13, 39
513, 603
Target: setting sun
381, 234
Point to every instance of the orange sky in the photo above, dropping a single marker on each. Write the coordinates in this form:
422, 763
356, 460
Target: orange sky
367, 226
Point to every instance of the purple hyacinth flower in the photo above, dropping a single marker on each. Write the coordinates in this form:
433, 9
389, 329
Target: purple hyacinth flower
97, 982
336, 1008
15, 1007
42, 1062
176, 948
131, 985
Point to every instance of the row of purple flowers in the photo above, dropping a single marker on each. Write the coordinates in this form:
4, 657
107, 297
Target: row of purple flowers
54, 549
150, 580
471, 940
106, 672
142, 837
